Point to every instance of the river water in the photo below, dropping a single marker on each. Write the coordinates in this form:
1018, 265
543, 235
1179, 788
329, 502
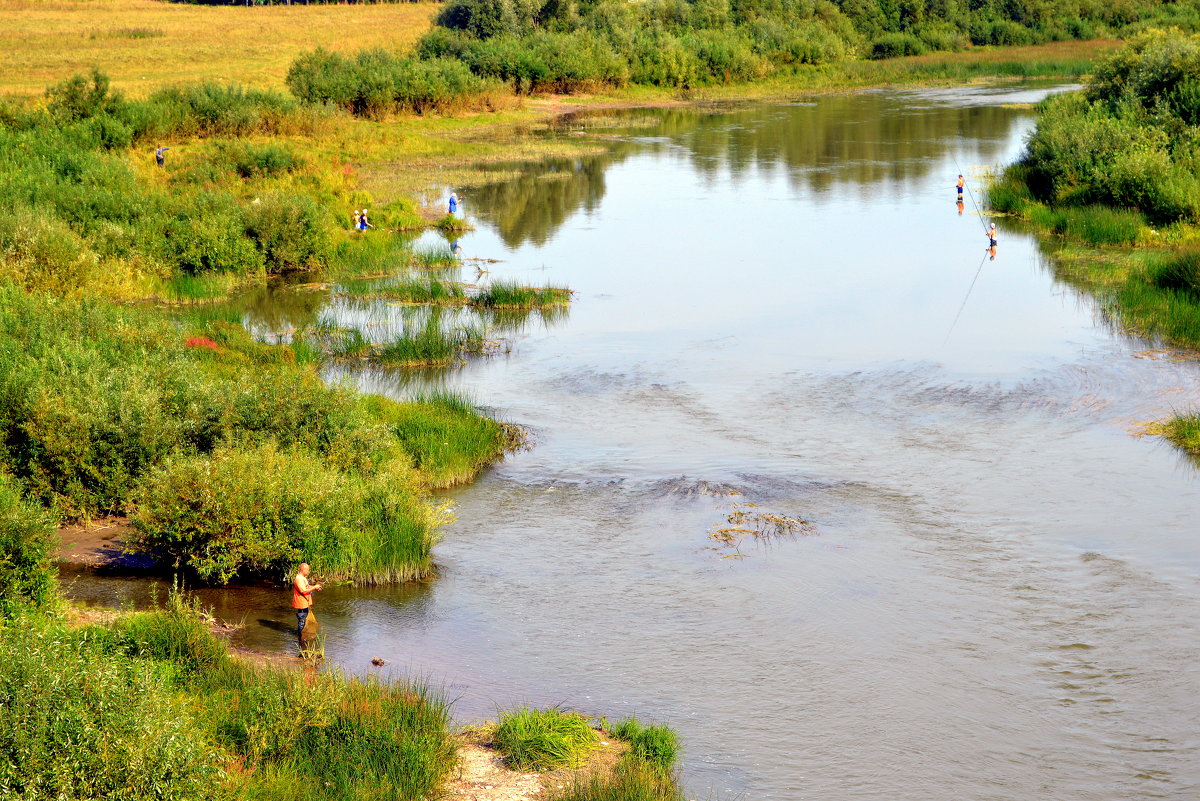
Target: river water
998, 595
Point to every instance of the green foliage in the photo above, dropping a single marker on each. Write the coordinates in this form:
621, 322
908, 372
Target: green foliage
230, 456
1177, 271
153, 707
511, 295
1130, 140
544, 739
630, 780
28, 575
657, 745
892, 45
291, 231
375, 83
81, 723
1184, 432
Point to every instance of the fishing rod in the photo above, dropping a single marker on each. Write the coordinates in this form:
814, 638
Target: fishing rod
968, 297
978, 211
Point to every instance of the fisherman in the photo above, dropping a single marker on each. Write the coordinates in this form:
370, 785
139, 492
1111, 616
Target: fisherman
453, 203
362, 221
991, 234
159, 154
302, 593
961, 183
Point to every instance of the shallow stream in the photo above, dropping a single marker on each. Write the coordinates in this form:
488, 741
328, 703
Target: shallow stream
781, 305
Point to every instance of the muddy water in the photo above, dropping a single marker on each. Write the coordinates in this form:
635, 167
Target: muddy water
782, 306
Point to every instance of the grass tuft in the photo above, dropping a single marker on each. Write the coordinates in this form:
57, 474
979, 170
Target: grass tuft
544, 739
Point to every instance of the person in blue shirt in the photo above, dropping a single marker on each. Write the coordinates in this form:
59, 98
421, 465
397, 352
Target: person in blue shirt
159, 154
453, 203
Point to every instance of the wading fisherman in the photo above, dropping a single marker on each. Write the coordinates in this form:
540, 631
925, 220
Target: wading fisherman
302, 593
453, 203
159, 154
992, 242
961, 183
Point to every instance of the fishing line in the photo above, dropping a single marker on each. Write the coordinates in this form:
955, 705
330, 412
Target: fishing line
968, 297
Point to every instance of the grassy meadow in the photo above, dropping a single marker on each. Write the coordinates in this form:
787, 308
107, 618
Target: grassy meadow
144, 45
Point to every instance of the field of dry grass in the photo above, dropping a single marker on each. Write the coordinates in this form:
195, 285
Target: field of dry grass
145, 44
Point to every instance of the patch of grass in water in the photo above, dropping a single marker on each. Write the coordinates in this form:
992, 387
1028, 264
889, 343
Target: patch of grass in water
432, 257
511, 295
429, 291
430, 346
206, 287
1184, 432
544, 739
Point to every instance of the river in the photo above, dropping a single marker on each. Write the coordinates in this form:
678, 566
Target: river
998, 593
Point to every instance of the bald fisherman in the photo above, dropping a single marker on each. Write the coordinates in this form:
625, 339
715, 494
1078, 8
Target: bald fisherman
302, 593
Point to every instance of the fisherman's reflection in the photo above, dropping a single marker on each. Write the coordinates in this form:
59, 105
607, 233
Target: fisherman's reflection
959, 204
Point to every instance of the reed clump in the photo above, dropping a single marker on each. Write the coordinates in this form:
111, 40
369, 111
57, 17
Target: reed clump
544, 739
1184, 432
431, 346
511, 295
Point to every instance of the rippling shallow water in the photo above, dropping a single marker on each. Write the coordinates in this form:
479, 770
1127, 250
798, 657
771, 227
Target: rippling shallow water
1000, 599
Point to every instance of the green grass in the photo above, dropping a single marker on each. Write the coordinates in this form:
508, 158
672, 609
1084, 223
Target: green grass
448, 437
511, 295
656, 745
430, 346
424, 291
630, 780
1184, 432
450, 224
432, 257
232, 456
1092, 225
544, 739
153, 707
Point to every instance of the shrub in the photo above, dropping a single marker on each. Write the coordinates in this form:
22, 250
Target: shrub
892, 45
84, 724
544, 739
291, 231
28, 574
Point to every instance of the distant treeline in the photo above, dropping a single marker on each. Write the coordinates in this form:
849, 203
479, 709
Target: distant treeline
576, 45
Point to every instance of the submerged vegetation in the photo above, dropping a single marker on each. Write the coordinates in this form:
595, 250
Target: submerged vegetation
1107, 163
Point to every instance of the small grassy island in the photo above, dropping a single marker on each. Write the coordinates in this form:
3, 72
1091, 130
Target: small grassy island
119, 395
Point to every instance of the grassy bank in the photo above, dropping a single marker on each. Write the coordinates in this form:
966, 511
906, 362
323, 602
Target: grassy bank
230, 455
153, 706
1110, 177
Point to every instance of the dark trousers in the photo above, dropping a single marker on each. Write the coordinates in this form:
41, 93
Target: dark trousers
301, 619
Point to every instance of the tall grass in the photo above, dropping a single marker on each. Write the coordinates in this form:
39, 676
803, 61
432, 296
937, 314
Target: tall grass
511, 295
544, 739
432, 257
630, 780
153, 707
427, 291
1184, 432
656, 745
430, 346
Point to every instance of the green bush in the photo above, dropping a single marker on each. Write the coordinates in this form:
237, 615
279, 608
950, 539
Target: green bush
81, 723
28, 574
892, 45
544, 739
291, 231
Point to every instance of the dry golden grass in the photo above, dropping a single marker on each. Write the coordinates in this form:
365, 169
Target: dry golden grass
44, 41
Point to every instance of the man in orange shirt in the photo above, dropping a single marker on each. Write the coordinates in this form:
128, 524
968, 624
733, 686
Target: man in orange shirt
302, 599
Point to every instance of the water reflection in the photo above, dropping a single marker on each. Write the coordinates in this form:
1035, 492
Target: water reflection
881, 141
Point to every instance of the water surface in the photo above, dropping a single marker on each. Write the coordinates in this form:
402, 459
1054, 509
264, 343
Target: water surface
781, 305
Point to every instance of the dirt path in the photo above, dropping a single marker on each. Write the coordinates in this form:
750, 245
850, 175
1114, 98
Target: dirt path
483, 775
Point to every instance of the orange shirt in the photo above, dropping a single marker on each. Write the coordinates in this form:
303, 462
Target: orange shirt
961, 183
301, 594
